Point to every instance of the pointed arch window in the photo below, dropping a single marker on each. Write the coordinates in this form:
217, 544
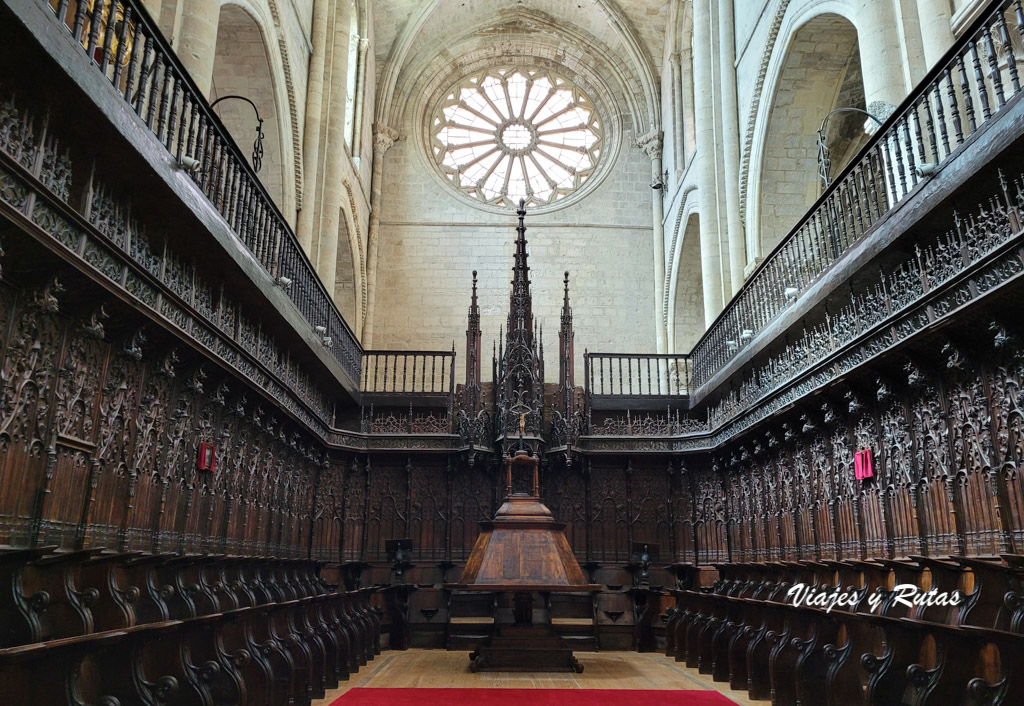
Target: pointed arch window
351, 78
508, 134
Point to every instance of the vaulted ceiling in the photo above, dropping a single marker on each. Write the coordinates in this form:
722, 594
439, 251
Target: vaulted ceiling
610, 46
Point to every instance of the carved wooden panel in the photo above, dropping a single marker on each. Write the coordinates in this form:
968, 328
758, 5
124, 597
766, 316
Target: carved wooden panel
609, 514
565, 493
30, 369
327, 513
932, 464
821, 470
428, 509
900, 491
974, 478
649, 510
685, 549
473, 490
1008, 432
388, 512
353, 534
709, 523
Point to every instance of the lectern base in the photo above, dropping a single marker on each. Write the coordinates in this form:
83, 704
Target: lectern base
527, 648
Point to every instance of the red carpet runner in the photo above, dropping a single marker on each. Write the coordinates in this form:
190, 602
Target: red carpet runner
529, 697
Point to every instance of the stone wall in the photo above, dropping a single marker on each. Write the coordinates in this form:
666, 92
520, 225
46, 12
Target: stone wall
432, 239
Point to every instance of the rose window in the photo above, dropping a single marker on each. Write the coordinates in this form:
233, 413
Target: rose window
502, 136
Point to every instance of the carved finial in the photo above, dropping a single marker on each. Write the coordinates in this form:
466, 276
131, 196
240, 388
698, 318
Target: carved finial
94, 327
1002, 336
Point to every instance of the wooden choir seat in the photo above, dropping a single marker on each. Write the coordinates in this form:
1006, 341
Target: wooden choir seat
470, 618
126, 628
574, 618
744, 630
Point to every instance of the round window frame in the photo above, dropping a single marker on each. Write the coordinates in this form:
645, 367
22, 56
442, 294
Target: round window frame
609, 139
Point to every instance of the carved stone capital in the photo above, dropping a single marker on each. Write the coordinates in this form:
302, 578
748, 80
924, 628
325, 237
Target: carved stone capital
383, 138
651, 142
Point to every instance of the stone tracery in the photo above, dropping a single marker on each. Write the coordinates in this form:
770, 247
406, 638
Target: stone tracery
507, 134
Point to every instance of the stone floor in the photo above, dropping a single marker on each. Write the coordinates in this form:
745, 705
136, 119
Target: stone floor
603, 670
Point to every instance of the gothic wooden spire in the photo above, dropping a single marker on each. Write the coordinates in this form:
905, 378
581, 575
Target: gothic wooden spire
520, 313
566, 378
471, 390
519, 387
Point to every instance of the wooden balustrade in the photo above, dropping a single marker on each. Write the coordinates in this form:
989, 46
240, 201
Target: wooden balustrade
176, 629
967, 89
408, 372
143, 69
637, 374
870, 649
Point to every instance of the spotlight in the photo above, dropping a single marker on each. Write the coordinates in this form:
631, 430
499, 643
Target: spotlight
925, 170
189, 164
790, 293
746, 335
328, 341
284, 282
320, 329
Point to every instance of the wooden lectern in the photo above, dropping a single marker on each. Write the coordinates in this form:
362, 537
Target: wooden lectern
521, 552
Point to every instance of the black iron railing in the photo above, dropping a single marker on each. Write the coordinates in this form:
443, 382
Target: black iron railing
966, 89
123, 42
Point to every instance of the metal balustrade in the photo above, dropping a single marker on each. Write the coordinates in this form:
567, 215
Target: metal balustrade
408, 372
969, 87
124, 43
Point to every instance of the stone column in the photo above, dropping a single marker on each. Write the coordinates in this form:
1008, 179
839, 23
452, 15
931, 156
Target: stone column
652, 143
707, 189
311, 131
153, 7
731, 144
331, 188
881, 59
676, 82
198, 45
936, 35
360, 102
383, 139
688, 136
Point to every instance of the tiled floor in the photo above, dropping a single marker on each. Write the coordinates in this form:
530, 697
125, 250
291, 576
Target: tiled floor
603, 670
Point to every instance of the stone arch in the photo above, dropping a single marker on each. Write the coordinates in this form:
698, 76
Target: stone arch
346, 278
247, 63
430, 32
686, 303
679, 94
819, 71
